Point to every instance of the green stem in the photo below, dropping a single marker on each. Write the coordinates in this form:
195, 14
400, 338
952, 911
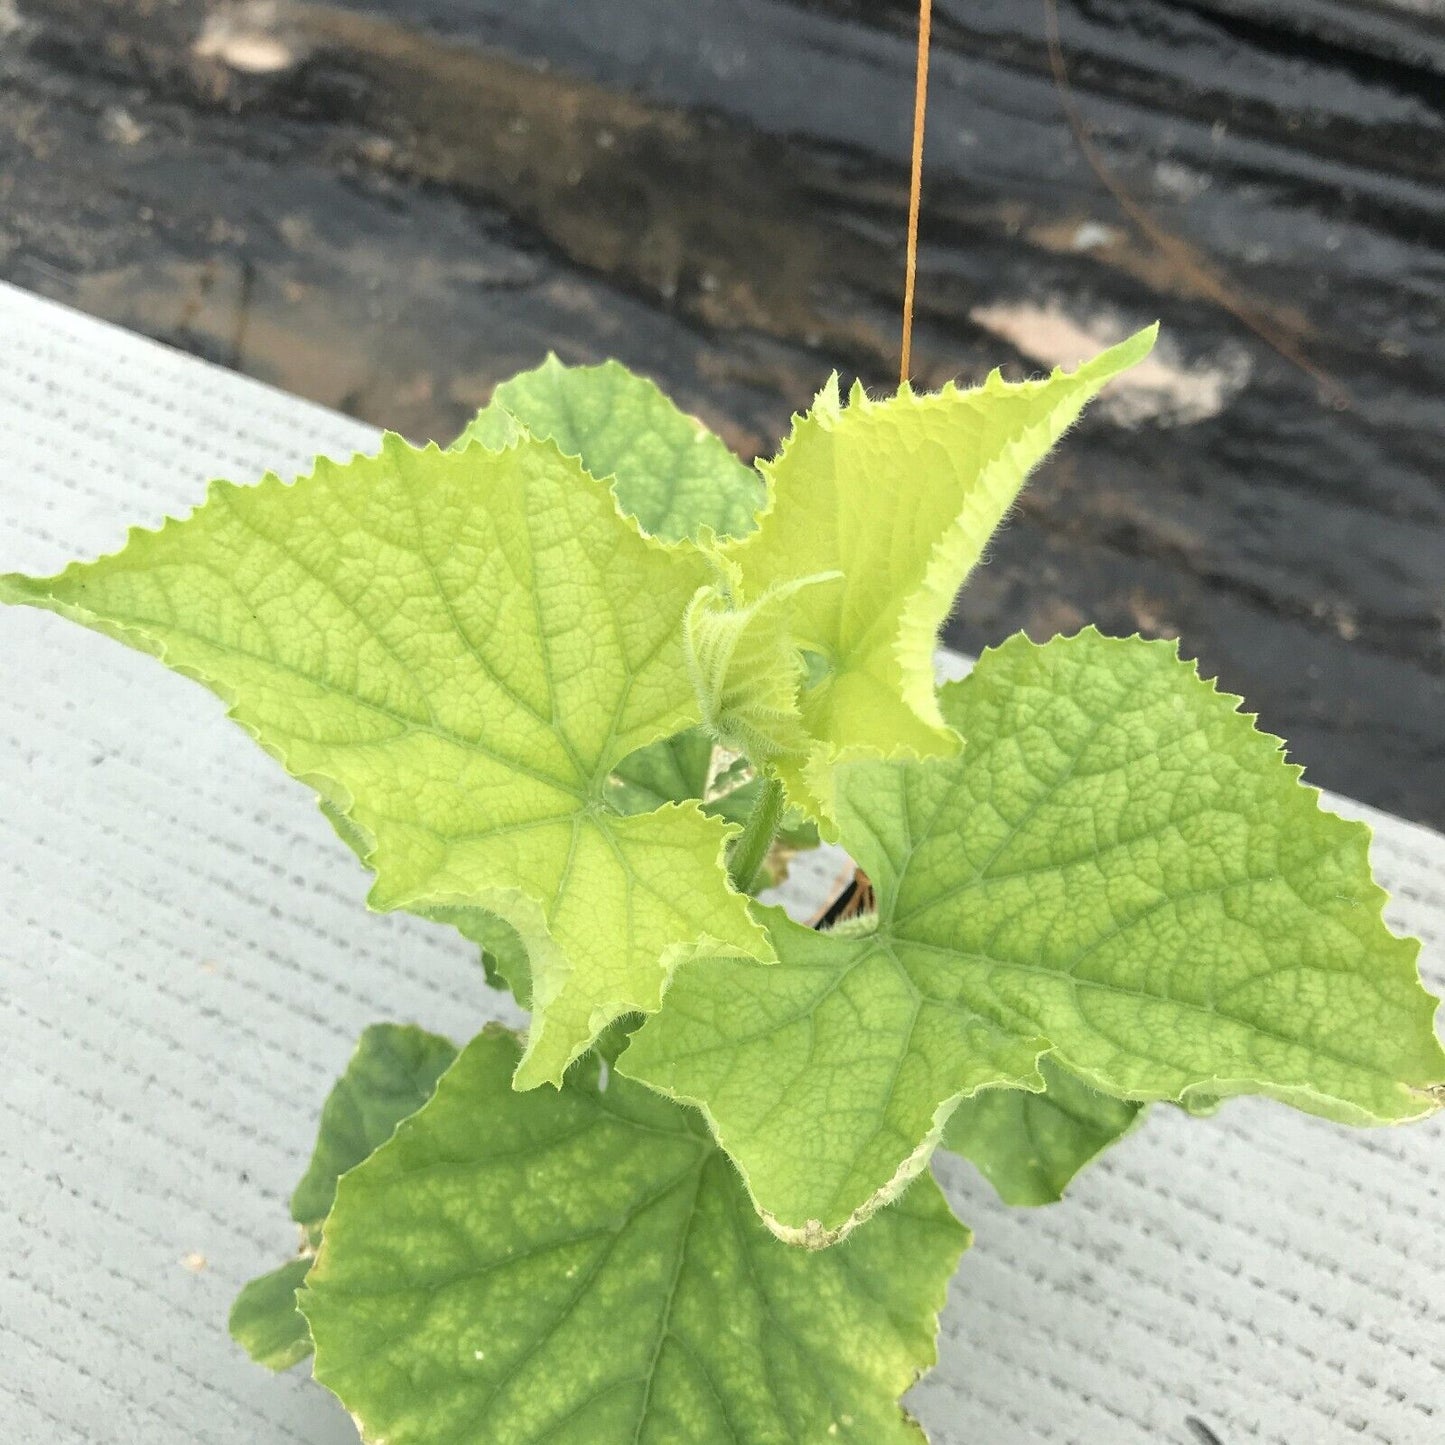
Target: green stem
750, 848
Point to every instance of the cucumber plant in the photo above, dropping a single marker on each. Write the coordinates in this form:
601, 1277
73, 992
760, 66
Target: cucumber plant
567, 686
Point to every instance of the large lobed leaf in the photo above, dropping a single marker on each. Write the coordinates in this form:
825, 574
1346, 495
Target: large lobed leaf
390, 1076
455, 649
584, 1267
1121, 870
898, 498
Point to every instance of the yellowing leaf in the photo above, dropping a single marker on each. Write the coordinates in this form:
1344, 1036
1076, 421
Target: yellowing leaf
1120, 870
901, 497
455, 649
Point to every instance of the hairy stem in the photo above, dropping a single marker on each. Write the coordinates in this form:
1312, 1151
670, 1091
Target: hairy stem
752, 844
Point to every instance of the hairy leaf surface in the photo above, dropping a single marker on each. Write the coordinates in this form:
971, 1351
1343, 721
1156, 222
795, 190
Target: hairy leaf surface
1030, 1146
390, 1076
455, 649
584, 1267
899, 496
748, 672
1120, 869
668, 470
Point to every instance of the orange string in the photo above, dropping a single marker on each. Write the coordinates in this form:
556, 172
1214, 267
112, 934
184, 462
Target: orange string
915, 190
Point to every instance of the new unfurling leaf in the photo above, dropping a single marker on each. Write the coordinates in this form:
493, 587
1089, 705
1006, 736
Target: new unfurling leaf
899, 497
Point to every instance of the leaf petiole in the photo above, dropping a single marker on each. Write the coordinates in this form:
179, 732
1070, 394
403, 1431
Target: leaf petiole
750, 849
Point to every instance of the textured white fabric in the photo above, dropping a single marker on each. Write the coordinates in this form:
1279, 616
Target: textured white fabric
187, 962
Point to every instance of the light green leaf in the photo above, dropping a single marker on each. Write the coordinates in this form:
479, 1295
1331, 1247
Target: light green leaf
391, 1075
901, 496
828, 1075
1030, 1146
667, 469
265, 1321
584, 1267
494, 427
1119, 869
747, 671
455, 649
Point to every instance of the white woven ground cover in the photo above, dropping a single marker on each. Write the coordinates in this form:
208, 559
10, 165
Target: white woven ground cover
187, 963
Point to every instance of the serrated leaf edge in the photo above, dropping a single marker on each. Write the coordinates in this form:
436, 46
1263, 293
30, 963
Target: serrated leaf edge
1352, 832
523, 910
959, 550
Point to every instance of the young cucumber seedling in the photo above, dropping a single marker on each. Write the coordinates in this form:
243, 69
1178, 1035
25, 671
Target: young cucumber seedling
567, 686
